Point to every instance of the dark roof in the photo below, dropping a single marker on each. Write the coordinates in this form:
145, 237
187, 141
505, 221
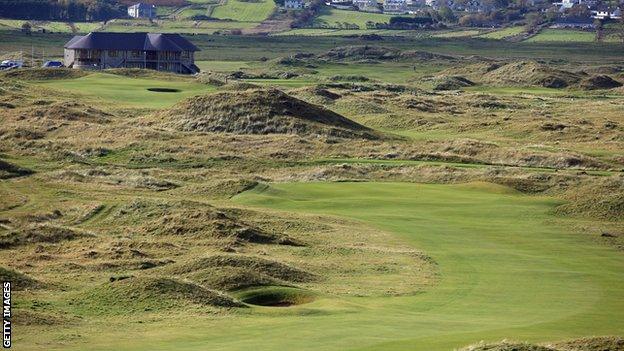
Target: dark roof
131, 41
144, 6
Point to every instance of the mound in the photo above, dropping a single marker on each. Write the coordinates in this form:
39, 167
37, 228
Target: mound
20, 281
453, 83
193, 219
68, 111
604, 200
9, 170
147, 293
425, 56
361, 52
475, 70
231, 278
43, 73
603, 343
599, 82
228, 188
40, 234
261, 111
506, 346
238, 271
315, 95
28, 317
529, 73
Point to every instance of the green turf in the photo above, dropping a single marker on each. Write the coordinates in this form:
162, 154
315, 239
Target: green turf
502, 33
330, 17
131, 92
507, 269
565, 35
244, 11
458, 33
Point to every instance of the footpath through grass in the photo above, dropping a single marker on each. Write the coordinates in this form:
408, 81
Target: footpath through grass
507, 269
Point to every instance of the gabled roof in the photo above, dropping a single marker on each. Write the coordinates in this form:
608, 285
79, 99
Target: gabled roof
142, 5
131, 41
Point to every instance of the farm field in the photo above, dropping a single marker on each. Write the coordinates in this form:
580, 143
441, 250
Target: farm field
317, 192
243, 11
331, 17
564, 35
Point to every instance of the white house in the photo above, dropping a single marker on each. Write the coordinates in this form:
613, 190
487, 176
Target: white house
606, 12
142, 10
395, 6
293, 4
365, 5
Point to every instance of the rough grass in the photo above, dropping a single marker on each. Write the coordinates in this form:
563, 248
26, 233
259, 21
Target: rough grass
529, 73
253, 265
20, 281
133, 294
265, 111
38, 74
9, 170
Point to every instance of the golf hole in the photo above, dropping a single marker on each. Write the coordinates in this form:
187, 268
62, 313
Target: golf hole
164, 90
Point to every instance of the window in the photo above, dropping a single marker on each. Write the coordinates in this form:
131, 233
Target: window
113, 53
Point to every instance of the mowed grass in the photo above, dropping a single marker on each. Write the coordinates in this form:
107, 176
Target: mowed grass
129, 92
331, 17
503, 33
507, 269
244, 11
563, 35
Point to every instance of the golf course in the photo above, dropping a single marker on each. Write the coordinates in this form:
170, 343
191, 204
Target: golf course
507, 269
319, 193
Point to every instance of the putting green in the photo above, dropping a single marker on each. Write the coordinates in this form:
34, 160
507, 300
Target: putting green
507, 269
124, 91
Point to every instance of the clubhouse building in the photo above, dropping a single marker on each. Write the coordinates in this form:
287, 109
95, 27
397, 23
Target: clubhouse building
161, 52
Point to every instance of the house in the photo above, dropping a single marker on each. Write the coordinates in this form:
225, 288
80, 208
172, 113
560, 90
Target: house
142, 10
293, 4
161, 52
366, 5
603, 12
395, 6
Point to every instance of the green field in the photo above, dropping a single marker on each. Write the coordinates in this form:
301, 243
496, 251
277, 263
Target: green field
564, 35
502, 33
244, 11
330, 17
131, 92
459, 33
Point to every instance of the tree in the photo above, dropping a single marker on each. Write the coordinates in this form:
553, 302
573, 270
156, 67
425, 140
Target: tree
26, 28
447, 14
533, 20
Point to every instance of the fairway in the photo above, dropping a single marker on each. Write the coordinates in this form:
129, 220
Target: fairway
507, 269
